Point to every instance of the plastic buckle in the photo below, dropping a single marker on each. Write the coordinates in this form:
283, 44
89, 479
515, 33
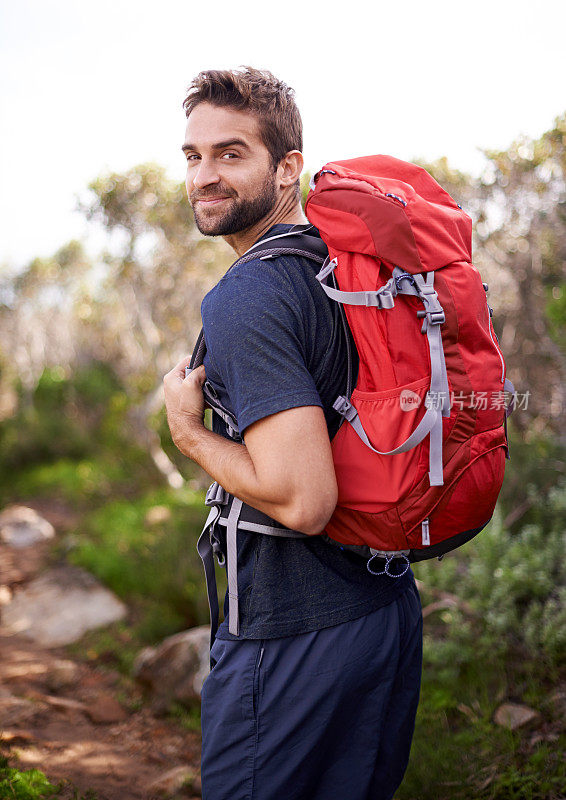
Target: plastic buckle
436, 317
344, 407
341, 404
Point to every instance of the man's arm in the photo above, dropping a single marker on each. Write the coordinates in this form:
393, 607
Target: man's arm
285, 468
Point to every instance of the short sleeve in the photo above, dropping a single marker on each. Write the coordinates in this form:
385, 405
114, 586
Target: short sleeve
257, 343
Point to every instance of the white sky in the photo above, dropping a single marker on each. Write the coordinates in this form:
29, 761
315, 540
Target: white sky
90, 87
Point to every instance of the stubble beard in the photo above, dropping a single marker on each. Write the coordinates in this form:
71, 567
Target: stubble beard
241, 215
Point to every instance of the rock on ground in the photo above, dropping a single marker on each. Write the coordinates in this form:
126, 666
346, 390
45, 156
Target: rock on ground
172, 781
176, 669
60, 605
513, 716
22, 527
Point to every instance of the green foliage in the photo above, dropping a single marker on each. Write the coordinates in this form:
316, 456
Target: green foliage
115, 645
188, 718
153, 566
495, 629
29, 785
305, 187
510, 588
539, 777
60, 421
72, 440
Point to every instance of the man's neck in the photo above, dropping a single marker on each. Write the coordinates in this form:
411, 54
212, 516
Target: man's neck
287, 211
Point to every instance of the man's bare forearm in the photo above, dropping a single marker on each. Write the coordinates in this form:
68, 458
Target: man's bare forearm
282, 477
230, 464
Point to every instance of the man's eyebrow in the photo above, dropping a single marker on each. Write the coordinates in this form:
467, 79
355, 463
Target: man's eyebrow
218, 145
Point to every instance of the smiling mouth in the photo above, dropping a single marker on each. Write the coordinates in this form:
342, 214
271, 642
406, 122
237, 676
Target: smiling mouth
212, 200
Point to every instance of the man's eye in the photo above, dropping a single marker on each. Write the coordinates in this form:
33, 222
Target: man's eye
230, 155
191, 157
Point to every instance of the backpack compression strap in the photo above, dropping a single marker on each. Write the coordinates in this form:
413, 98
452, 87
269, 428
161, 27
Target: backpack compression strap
291, 243
438, 397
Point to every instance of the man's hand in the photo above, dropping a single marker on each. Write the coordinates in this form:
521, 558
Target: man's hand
184, 403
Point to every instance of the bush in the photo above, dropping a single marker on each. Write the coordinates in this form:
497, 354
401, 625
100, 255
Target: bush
511, 588
494, 631
28, 785
63, 418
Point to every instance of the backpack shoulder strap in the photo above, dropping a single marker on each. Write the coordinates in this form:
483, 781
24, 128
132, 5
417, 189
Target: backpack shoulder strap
298, 243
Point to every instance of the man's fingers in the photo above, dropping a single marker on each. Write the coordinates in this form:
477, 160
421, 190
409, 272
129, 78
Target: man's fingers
179, 371
199, 374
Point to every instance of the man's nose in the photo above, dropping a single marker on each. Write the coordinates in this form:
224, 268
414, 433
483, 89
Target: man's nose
205, 174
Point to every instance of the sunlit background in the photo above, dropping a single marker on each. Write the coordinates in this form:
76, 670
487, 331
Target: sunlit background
86, 87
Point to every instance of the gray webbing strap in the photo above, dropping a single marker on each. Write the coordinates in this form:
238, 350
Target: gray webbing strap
268, 530
232, 565
439, 392
437, 401
508, 387
381, 298
204, 549
208, 546
424, 427
439, 395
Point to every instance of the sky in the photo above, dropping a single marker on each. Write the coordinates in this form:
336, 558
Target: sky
86, 88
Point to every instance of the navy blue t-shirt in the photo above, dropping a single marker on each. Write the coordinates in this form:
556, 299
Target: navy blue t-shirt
275, 341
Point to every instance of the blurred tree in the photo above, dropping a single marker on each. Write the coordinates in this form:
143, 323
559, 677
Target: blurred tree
525, 240
40, 315
158, 270
518, 208
136, 308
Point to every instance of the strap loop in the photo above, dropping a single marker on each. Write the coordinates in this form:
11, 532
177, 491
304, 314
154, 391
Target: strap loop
389, 559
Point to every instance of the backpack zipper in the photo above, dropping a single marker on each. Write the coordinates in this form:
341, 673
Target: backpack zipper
495, 344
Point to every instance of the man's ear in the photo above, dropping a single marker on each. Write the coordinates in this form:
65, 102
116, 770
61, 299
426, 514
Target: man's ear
290, 168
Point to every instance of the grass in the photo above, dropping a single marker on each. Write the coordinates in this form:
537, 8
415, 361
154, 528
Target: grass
188, 718
499, 638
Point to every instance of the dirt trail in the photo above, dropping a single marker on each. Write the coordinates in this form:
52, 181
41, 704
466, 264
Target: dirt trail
84, 730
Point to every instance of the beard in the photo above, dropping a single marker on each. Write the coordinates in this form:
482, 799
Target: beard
241, 213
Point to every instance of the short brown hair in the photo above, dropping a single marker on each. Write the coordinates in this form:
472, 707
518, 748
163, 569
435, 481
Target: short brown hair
256, 90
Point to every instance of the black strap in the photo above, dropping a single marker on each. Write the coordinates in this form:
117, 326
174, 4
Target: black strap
199, 350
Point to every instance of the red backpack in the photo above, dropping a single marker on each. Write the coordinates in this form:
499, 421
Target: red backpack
420, 459
420, 456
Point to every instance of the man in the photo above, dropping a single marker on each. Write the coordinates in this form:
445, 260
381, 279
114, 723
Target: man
315, 699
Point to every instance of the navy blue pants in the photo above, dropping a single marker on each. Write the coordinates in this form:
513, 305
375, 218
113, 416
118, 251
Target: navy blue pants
327, 715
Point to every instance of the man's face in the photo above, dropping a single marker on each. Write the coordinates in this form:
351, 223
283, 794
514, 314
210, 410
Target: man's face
231, 183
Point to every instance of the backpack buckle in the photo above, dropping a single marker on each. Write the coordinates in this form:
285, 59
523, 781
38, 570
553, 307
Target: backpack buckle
434, 312
436, 317
343, 406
